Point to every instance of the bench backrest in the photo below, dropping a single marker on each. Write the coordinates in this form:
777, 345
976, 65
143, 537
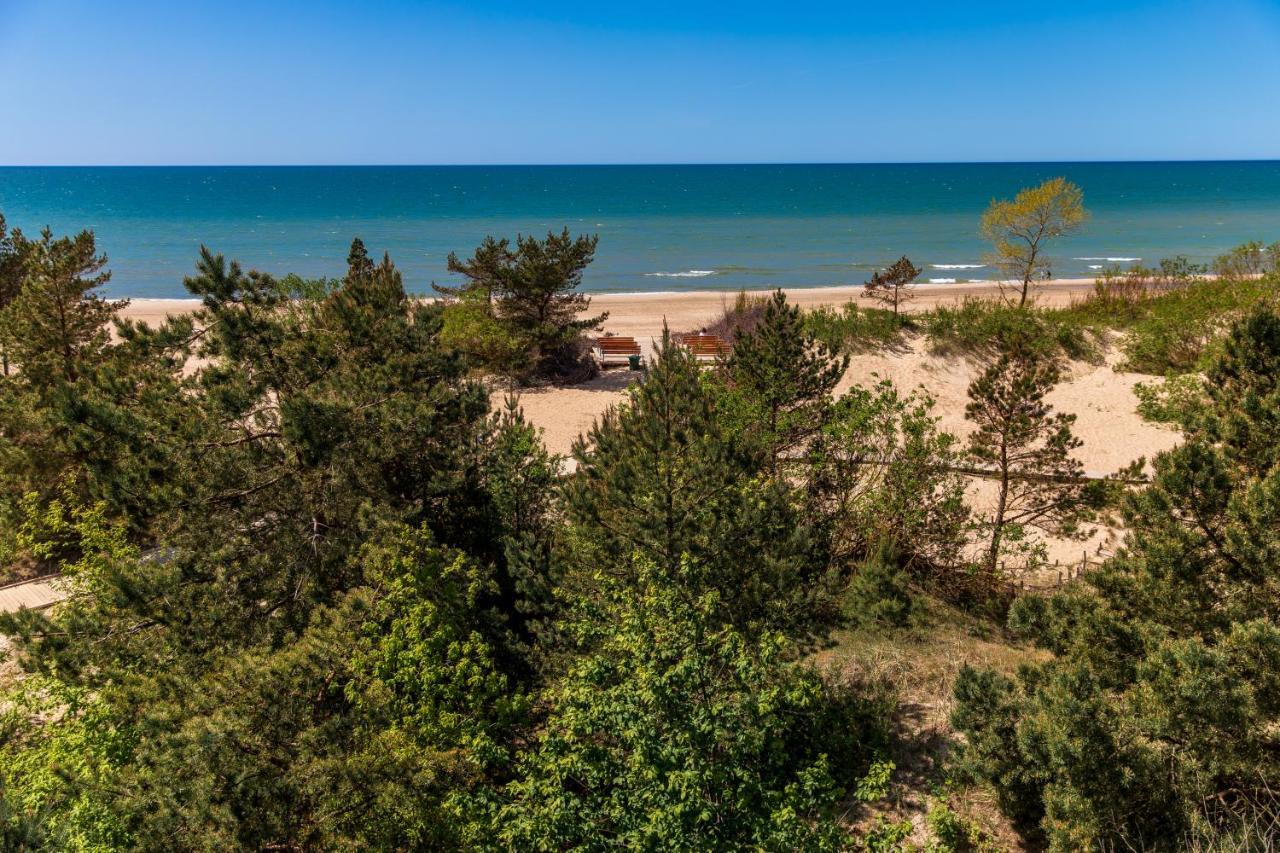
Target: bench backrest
616, 345
706, 344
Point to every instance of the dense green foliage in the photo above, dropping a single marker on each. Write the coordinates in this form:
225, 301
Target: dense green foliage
679, 731
322, 503
323, 596
980, 327
853, 329
1154, 723
665, 479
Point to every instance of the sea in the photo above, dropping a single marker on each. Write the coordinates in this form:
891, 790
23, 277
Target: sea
661, 228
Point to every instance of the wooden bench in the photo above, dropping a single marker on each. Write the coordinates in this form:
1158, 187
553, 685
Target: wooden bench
706, 347
615, 349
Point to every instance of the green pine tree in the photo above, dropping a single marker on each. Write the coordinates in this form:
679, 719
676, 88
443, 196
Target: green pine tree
781, 378
527, 296
660, 477
1153, 723
1027, 447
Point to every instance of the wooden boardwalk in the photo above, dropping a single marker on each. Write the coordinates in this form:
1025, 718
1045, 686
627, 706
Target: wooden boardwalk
34, 594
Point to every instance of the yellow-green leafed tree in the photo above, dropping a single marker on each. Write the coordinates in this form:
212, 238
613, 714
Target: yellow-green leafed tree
1019, 229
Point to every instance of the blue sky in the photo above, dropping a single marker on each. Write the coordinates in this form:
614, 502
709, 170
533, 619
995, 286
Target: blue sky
642, 82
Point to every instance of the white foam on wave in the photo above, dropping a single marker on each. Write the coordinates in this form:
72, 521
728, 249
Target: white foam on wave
1109, 260
942, 281
957, 266
685, 274
1095, 266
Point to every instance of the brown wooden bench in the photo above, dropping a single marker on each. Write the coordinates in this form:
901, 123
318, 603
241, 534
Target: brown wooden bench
706, 347
615, 349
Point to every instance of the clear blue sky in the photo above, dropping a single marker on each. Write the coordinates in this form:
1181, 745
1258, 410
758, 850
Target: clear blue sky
685, 81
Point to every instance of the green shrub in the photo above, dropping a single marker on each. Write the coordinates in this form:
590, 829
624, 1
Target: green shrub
1176, 330
983, 327
875, 784
852, 329
489, 344
886, 836
1252, 258
953, 833
1175, 401
879, 594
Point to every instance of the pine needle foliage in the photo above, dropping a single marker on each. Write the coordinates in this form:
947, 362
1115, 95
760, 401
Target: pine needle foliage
1028, 449
1153, 724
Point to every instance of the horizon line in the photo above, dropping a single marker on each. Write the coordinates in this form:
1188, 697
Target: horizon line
1168, 161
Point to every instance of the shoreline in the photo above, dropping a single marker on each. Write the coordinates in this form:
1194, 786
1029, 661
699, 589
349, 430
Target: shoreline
642, 314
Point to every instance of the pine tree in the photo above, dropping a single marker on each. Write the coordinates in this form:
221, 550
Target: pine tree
532, 292
83, 411
781, 378
232, 657
890, 286
13, 249
57, 322
1028, 449
358, 263
1152, 724
661, 478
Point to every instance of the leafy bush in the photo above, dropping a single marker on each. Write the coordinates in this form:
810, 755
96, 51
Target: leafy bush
677, 731
1248, 259
1176, 401
1175, 331
955, 834
878, 479
470, 327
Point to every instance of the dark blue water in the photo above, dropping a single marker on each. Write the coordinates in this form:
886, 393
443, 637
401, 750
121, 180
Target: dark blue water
660, 227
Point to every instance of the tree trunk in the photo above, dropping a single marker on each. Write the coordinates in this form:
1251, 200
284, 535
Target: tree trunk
997, 524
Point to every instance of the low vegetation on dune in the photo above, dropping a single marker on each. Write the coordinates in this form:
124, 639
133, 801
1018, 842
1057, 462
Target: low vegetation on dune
323, 596
1165, 320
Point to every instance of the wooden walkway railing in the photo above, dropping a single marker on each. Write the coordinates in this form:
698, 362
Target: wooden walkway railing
33, 594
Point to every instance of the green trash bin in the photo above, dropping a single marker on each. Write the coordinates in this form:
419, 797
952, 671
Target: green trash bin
634, 361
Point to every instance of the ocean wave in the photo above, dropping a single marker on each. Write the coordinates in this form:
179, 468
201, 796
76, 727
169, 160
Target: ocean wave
685, 274
1109, 260
957, 266
942, 281
1095, 266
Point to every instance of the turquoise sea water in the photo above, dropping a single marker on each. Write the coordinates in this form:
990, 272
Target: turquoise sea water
660, 227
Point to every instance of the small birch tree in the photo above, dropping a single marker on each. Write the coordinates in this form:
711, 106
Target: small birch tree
1019, 229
